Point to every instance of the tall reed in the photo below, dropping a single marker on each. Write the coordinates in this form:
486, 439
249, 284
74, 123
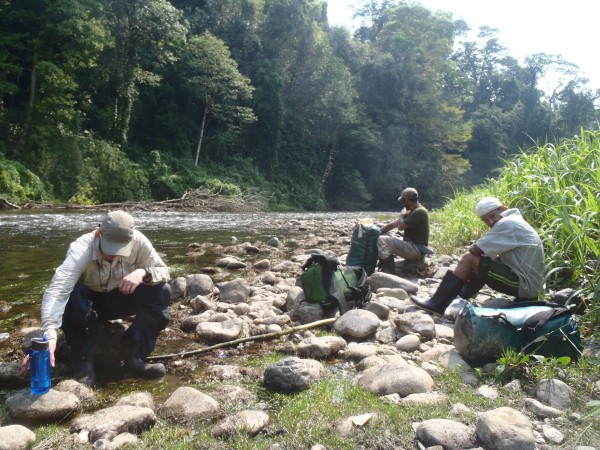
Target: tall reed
557, 188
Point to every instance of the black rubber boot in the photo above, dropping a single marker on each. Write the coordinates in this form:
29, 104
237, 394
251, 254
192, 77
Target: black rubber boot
388, 265
147, 370
472, 287
444, 295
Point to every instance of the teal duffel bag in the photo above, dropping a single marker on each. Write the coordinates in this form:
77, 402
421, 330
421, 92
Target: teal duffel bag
481, 335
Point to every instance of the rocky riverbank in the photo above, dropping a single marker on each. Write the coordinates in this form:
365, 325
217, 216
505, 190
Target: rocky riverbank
388, 348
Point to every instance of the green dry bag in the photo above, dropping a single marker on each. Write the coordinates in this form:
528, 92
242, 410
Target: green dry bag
481, 335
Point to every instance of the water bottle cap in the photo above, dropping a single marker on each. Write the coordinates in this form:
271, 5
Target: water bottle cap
39, 344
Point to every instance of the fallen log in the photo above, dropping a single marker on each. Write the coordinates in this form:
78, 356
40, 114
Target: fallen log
260, 337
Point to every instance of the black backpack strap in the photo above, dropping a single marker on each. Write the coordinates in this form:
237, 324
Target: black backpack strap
540, 319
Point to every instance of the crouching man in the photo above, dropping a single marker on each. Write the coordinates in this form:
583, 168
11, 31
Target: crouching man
109, 273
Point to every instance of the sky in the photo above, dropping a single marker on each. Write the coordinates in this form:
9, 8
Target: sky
525, 27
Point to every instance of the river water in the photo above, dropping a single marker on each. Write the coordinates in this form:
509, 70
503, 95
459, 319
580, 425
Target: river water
34, 243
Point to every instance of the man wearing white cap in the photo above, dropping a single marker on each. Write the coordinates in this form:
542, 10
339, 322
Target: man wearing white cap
509, 259
414, 223
109, 273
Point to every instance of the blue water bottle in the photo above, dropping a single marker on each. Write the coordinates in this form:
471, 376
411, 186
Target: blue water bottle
39, 359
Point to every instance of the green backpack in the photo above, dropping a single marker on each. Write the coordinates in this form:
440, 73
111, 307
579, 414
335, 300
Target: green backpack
363, 247
326, 282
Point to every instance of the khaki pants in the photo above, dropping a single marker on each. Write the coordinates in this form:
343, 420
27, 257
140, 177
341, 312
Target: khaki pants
388, 244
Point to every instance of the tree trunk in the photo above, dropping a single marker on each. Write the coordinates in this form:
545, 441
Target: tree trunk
201, 135
30, 104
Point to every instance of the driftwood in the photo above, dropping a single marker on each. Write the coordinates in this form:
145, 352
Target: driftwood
260, 337
197, 200
5, 204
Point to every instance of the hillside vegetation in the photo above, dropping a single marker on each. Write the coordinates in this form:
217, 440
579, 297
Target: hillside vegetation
105, 101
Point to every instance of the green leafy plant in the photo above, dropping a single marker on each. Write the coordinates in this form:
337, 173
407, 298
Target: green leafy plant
511, 365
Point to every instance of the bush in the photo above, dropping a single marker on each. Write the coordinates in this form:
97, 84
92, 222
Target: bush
19, 184
111, 175
170, 177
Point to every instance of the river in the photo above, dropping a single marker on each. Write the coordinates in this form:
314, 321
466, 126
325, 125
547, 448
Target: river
34, 243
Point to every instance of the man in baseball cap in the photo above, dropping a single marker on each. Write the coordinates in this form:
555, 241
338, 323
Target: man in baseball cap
509, 259
110, 273
414, 223
116, 233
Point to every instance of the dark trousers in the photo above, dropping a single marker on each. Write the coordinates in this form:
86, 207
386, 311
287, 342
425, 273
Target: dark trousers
496, 275
149, 304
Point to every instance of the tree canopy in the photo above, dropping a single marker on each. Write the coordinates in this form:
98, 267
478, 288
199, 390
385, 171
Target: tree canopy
112, 100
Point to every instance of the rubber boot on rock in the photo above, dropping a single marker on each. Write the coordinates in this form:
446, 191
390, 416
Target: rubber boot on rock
388, 265
444, 295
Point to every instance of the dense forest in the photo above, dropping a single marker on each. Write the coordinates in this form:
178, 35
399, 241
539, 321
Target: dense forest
117, 100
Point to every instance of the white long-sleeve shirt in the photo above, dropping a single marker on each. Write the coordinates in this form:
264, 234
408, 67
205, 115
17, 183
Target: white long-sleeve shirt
84, 263
515, 243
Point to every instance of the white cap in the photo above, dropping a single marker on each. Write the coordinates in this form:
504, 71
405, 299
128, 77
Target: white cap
487, 205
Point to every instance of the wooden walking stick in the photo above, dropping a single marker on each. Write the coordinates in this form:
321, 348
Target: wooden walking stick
260, 337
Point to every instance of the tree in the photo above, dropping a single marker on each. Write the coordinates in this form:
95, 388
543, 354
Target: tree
46, 45
405, 92
216, 85
146, 35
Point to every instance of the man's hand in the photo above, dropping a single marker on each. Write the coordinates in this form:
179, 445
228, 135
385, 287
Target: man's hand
132, 281
51, 348
474, 250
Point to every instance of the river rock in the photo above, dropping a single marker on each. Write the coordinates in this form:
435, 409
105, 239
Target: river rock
307, 313
83, 392
199, 284
408, 343
390, 378
415, 323
555, 393
235, 291
379, 280
225, 331
357, 323
293, 374
359, 351
10, 374
250, 422
190, 323
392, 293
16, 437
505, 429
202, 303
232, 394
107, 423
322, 347
380, 310
448, 434
178, 288
138, 399
295, 297
188, 406
541, 410
50, 407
